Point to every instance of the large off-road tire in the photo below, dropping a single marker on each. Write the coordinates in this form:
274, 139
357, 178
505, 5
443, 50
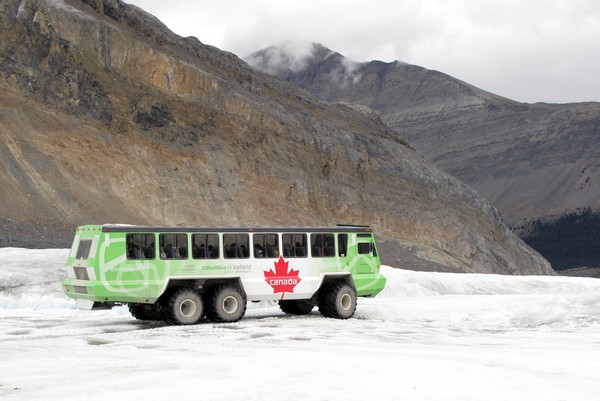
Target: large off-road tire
225, 303
183, 306
337, 300
296, 306
145, 312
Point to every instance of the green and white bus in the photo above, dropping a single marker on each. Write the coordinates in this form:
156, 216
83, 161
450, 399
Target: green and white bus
182, 274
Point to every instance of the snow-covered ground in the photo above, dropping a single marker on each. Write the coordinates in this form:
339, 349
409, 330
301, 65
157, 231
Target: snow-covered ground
428, 336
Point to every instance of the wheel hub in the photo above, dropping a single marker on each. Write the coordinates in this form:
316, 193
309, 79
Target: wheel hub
188, 308
345, 301
230, 304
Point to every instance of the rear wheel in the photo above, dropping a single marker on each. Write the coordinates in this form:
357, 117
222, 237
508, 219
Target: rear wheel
296, 306
225, 303
145, 312
337, 300
183, 306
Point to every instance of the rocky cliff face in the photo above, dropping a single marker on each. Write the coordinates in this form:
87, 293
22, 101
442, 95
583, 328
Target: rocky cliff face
529, 160
106, 116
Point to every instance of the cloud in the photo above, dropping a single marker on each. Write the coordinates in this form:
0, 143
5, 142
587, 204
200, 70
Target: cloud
299, 55
291, 55
347, 74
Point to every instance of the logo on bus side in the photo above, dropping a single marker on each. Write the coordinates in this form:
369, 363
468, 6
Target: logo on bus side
281, 279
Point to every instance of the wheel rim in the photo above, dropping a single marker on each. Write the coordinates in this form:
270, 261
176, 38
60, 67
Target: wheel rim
345, 301
188, 308
230, 304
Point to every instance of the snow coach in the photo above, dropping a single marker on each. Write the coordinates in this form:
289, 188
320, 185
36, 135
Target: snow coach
183, 274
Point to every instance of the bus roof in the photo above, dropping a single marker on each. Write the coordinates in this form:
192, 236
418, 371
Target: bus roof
241, 229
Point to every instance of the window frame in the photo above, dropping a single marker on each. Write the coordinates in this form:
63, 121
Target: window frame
208, 240
239, 246
162, 242
293, 237
321, 244
142, 249
342, 245
361, 250
263, 243
83, 253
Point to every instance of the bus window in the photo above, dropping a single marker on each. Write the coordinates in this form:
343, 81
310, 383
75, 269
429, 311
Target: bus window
322, 245
265, 245
365, 248
294, 245
140, 246
342, 245
205, 246
236, 246
173, 246
84, 249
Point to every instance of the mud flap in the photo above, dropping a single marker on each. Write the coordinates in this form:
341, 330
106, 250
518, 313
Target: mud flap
91, 305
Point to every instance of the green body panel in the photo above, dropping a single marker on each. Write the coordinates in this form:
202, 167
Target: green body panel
99, 270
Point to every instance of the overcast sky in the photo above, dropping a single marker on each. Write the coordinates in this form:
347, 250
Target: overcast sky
526, 50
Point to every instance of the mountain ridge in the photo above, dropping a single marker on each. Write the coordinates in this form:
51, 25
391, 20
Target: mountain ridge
549, 144
108, 117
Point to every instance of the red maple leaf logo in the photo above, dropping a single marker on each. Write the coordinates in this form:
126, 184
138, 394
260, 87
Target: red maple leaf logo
281, 279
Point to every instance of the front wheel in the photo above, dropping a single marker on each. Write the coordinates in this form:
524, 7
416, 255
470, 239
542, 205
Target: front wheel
225, 303
337, 300
184, 306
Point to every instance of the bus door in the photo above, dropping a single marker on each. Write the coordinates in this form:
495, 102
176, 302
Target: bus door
365, 257
356, 263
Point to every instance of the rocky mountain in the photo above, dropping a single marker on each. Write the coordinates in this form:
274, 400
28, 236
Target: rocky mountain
107, 116
532, 161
